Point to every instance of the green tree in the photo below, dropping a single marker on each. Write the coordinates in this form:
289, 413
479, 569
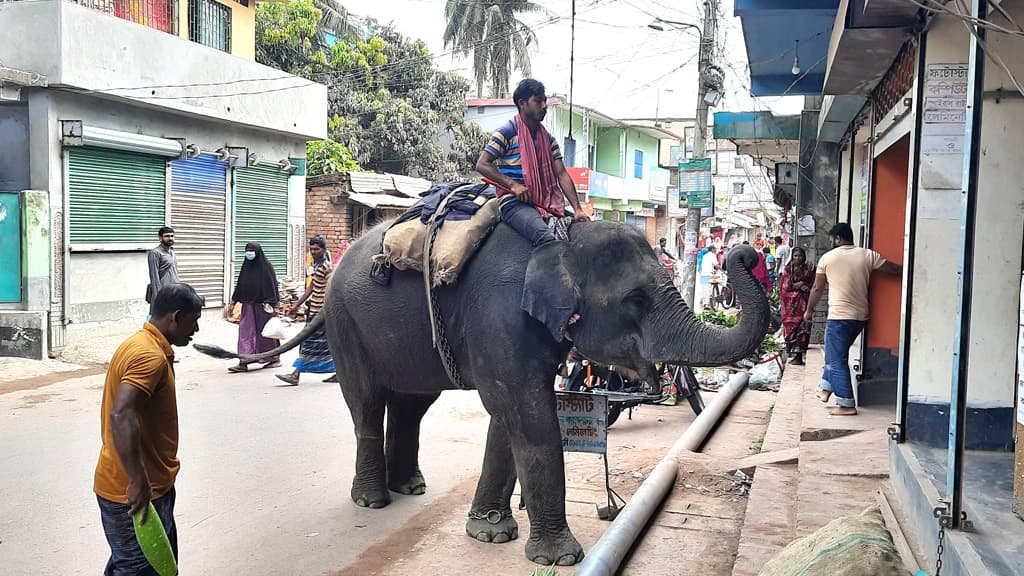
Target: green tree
388, 105
491, 33
328, 157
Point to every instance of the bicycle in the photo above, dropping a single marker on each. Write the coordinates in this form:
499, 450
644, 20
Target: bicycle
722, 295
625, 388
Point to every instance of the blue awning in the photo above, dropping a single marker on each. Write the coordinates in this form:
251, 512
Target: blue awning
776, 31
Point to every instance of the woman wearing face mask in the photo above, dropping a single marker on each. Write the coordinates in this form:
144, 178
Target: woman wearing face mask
256, 291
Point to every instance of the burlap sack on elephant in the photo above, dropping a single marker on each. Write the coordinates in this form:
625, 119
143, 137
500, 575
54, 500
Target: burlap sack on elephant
458, 239
849, 546
403, 245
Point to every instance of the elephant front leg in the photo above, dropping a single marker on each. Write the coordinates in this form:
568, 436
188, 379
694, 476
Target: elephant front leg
490, 518
405, 412
532, 424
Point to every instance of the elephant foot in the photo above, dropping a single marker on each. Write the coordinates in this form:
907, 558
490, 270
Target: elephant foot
561, 549
414, 485
496, 526
369, 497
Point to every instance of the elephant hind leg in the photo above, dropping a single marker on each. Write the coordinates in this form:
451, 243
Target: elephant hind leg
402, 446
366, 403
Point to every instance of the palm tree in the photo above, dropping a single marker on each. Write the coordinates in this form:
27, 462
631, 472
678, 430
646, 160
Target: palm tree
490, 31
336, 20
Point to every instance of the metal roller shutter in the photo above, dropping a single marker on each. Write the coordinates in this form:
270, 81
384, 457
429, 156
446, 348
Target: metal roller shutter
115, 197
198, 216
261, 215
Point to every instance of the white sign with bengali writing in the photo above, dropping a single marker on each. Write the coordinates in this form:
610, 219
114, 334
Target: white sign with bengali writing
945, 109
582, 417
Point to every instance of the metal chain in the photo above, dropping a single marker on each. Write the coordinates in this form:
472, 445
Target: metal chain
939, 550
494, 516
444, 350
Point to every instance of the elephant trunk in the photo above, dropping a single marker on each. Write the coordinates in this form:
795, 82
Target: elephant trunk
676, 336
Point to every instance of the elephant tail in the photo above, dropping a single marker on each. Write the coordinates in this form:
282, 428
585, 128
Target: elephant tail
314, 326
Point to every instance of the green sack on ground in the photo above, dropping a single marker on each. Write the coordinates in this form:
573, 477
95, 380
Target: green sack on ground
849, 546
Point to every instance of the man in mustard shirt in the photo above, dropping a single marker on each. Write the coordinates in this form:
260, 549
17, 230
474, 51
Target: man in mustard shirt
139, 424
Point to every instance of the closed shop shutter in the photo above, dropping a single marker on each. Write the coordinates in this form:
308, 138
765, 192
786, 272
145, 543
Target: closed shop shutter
261, 215
198, 214
115, 197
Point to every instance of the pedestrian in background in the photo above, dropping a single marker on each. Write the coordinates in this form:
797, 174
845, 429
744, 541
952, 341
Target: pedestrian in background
707, 269
163, 265
769, 262
314, 353
256, 291
138, 460
794, 289
846, 270
760, 272
782, 253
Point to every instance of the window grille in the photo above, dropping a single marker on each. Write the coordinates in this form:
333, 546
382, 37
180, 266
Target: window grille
209, 24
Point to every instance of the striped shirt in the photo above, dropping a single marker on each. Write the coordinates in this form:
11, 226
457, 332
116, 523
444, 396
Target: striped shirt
504, 146
321, 274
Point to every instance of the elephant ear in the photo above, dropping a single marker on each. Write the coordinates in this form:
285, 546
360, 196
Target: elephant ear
549, 293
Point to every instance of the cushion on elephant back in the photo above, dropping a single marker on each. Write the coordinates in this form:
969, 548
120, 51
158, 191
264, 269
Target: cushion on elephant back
457, 240
403, 245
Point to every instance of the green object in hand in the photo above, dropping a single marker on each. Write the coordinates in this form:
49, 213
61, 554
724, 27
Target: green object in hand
154, 543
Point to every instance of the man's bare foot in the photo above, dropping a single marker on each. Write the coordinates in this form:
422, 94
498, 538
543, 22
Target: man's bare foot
843, 411
823, 395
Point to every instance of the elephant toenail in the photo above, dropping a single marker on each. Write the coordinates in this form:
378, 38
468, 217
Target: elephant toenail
567, 560
483, 537
542, 560
501, 538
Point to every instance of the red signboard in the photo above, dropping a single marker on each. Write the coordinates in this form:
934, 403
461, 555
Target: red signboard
580, 177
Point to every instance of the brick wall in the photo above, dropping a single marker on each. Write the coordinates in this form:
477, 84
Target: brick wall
324, 218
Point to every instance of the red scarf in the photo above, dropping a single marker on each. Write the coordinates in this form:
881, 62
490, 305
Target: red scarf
539, 171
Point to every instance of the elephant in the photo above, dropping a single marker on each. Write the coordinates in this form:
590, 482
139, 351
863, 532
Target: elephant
510, 319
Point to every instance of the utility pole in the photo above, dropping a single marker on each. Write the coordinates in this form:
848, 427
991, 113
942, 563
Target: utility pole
707, 45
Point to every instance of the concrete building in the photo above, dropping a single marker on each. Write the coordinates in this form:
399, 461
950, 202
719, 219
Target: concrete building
741, 188
911, 116
117, 119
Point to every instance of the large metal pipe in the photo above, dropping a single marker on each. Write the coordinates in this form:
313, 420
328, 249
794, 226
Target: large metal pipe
604, 558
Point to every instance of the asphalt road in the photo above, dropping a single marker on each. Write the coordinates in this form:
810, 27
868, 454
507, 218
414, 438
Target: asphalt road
265, 476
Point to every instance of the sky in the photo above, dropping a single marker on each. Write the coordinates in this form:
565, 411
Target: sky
623, 68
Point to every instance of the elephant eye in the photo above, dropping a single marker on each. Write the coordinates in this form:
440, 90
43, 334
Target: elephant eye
637, 301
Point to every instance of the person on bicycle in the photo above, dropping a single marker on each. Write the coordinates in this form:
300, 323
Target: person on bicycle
661, 251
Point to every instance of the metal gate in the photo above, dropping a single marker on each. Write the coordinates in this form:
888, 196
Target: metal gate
10, 247
199, 218
260, 215
116, 199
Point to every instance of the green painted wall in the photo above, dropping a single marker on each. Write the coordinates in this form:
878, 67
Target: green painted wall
608, 144
646, 144
36, 249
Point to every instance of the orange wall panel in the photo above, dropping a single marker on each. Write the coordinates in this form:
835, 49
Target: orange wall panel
888, 219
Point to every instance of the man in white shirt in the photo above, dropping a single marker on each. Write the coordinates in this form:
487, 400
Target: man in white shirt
782, 255
846, 269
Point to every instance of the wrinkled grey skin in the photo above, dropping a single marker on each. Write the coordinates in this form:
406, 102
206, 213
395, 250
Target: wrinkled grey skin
631, 315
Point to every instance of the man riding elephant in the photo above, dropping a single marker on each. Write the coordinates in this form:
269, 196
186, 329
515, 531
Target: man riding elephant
525, 164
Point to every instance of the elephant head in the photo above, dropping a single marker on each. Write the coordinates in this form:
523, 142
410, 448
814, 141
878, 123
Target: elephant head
631, 314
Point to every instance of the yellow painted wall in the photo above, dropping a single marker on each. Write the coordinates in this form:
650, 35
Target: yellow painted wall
243, 26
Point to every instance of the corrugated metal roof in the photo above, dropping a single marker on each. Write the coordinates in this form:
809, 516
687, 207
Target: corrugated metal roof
370, 182
410, 186
381, 200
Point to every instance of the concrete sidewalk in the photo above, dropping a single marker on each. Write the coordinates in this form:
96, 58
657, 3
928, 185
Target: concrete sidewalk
843, 462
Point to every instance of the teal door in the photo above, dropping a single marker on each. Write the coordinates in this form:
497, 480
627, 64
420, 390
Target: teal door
10, 247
